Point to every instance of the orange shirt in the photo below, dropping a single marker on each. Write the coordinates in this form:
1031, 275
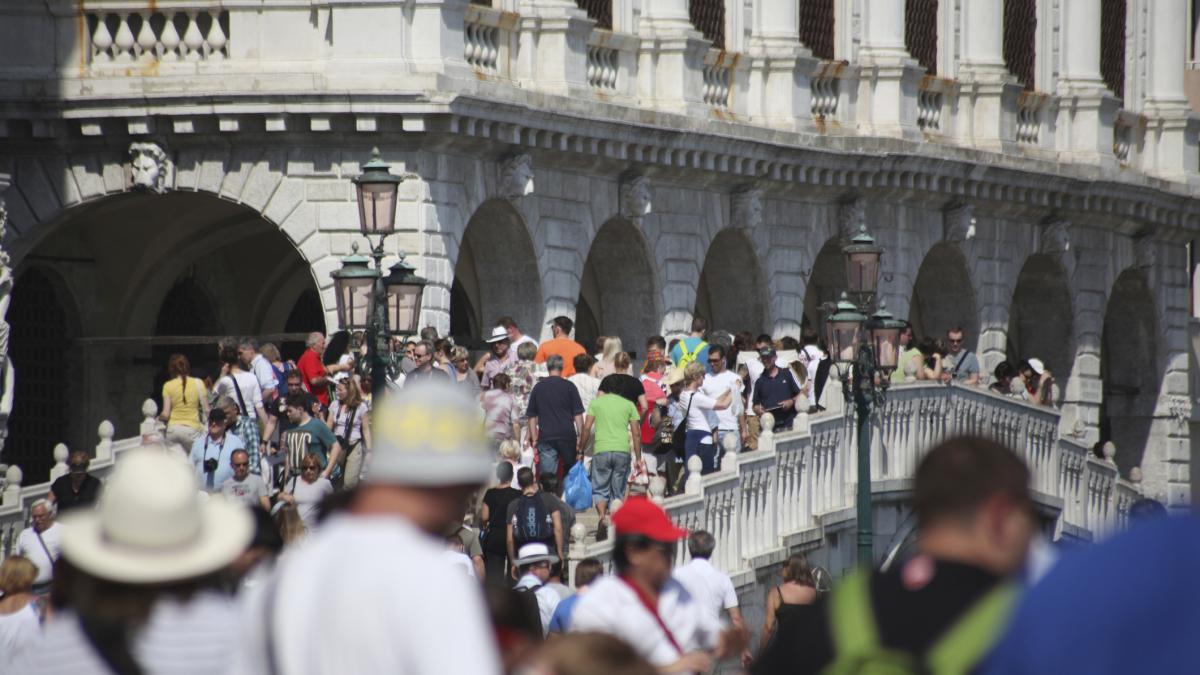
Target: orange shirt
567, 348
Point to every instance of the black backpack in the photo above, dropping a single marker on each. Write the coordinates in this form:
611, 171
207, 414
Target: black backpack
532, 521
531, 612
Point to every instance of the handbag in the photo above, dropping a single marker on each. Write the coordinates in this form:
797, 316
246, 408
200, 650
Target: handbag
640, 475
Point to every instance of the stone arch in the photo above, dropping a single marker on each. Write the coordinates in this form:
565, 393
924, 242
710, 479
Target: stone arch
618, 291
1129, 367
732, 293
826, 281
1041, 317
40, 317
495, 275
943, 296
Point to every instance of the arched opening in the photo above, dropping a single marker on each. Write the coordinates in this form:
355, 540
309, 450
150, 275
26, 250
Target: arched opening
38, 347
618, 295
496, 275
826, 281
151, 275
1129, 368
731, 295
306, 316
1040, 319
943, 297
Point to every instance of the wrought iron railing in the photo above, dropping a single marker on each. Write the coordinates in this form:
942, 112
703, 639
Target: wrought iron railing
921, 32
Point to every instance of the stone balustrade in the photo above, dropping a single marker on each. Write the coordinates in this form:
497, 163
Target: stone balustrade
16, 498
198, 34
800, 486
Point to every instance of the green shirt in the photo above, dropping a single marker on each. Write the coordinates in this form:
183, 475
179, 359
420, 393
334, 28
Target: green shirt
899, 376
613, 414
312, 436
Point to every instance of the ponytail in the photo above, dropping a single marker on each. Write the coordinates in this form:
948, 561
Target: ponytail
183, 381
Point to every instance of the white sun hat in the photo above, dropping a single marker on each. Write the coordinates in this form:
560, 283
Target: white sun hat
429, 434
535, 553
499, 334
1037, 365
151, 525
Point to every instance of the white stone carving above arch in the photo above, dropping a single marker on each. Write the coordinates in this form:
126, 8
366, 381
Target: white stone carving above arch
746, 209
958, 223
516, 177
150, 168
636, 197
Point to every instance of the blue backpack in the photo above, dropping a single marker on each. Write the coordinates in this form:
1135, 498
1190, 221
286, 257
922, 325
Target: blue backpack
532, 522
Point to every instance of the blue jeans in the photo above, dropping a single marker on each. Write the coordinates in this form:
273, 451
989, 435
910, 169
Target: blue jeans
706, 451
610, 474
554, 452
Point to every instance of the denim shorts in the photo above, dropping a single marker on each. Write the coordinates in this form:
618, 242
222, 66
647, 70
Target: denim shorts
610, 474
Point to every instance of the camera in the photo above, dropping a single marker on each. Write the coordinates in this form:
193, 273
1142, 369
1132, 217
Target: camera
210, 465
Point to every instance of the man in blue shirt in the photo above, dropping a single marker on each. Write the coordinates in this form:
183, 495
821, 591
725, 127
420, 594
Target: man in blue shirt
587, 571
775, 391
212, 452
693, 347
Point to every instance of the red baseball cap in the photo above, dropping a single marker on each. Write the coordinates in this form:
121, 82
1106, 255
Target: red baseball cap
640, 516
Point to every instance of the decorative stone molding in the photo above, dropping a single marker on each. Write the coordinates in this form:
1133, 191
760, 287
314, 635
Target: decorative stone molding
958, 223
852, 213
636, 197
747, 208
1145, 251
149, 167
1180, 409
516, 177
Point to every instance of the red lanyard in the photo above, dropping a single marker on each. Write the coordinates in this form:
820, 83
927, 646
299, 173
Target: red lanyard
650, 607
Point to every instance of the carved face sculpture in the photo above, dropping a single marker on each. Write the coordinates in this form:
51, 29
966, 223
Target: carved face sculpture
747, 207
516, 177
146, 165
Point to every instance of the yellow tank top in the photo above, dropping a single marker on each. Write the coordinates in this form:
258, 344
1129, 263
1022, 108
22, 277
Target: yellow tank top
186, 413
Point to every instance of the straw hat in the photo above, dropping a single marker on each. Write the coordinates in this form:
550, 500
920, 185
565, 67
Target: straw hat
151, 525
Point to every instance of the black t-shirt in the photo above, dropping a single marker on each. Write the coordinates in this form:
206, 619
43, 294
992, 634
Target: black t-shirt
626, 386
65, 498
907, 620
555, 402
498, 500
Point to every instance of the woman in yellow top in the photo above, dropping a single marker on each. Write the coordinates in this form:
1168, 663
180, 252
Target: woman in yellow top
185, 403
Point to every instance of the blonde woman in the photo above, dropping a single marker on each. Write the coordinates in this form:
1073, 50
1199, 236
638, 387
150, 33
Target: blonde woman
185, 404
698, 406
461, 371
20, 619
607, 366
349, 419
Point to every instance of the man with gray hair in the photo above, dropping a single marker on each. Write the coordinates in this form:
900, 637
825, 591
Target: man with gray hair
40, 544
261, 367
424, 372
555, 417
712, 588
312, 368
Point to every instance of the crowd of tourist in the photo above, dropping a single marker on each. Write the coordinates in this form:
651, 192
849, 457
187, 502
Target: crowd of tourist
309, 529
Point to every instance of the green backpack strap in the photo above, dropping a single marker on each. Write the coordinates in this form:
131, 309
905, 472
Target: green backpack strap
971, 637
852, 618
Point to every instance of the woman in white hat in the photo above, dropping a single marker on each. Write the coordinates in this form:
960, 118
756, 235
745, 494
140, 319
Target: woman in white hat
136, 589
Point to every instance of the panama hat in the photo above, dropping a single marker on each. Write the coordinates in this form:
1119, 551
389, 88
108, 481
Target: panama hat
1037, 366
151, 525
499, 334
674, 376
535, 553
429, 434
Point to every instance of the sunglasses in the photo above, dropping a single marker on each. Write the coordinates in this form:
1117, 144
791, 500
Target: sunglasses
955, 342
78, 466
309, 468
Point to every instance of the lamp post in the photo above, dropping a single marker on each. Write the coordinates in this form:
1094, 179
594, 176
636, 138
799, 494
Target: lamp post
865, 365
367, 300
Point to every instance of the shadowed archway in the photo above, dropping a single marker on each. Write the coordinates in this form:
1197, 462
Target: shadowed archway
732, 295
943, 297
618, 294
1040, 318
1129, 368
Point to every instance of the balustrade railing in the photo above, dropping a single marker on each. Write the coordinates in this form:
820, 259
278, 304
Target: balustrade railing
165, 36
1029, 117
826, 89
1123, 129
797, 480
718, 79
929, 110
602, 67
485, 38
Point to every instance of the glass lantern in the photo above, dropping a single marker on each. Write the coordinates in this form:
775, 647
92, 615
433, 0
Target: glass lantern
377, 191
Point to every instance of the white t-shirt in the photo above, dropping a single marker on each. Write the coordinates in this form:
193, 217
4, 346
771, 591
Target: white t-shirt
18, 631
461, 560
29, 546
308, 498
400, 607
179, 639
547, 598
811, 356
712, 589
341, 417
247, 383
715, 386
698, 406
611, 606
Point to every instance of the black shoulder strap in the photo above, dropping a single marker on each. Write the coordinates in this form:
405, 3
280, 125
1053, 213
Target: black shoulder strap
238, 390
110, 640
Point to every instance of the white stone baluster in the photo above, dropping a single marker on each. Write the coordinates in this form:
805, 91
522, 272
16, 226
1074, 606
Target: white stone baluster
60, 468
124, 41
169, 40
105, 431
12, 486
217, 39
145, 36
692, 484
151, 429
193, 39
102, 39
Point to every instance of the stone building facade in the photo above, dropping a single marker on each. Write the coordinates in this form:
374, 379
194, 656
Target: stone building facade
181, 169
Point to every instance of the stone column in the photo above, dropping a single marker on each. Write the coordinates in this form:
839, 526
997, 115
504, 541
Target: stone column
1087, 110
436, 34
1171, 131
553, 38
779, 66
889, 77
671, 58
989, 92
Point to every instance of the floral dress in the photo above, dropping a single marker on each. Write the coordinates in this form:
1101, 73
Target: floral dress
522, 375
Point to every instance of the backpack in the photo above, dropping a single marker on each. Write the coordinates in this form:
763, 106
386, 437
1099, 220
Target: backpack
958, 651
532, 521
527, 601
686, 357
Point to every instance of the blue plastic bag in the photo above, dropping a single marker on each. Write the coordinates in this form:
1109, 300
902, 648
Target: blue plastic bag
578, 490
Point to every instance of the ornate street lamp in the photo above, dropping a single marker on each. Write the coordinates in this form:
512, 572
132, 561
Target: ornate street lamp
866, 352
366, 299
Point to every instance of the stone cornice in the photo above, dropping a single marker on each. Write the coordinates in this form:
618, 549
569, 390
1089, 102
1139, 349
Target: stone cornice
660, 144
